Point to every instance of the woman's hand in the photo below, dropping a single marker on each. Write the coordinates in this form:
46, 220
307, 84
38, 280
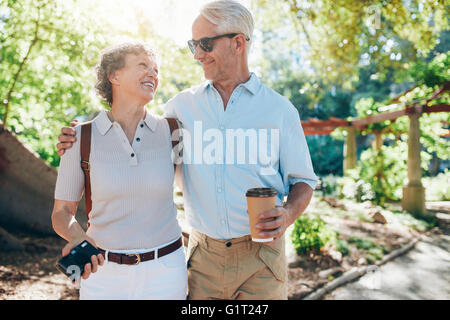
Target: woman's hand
96, 261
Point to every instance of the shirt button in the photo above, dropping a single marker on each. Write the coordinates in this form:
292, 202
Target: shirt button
219, 189
222, 127
138, 139
141, 125
132, 155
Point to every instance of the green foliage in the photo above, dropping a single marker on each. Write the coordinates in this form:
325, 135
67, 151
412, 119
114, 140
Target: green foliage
379, 176
406, 219
326, 154
342, 35
311, 233
433, 73
342, 246
48, 49
362, 243
374, 251
437, 188
329, 185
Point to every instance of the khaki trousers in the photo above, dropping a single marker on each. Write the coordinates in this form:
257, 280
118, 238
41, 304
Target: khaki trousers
236, 269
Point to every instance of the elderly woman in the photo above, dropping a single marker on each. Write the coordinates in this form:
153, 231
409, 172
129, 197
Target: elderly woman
133, 217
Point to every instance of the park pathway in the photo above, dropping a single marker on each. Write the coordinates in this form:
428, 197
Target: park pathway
423, 273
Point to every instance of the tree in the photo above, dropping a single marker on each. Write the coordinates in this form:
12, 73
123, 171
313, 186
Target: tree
341, 35
47, 51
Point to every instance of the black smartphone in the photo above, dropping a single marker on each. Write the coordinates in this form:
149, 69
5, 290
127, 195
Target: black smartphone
73, 264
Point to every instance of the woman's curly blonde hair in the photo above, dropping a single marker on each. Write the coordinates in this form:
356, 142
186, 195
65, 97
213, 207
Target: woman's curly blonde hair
112, 59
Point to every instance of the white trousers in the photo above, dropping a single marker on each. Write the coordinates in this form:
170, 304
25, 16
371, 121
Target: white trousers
162, 278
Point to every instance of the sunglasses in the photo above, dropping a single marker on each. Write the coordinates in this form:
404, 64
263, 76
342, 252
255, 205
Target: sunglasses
206, 44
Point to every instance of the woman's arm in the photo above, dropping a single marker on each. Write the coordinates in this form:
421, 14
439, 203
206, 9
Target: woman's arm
64, 222
65, 225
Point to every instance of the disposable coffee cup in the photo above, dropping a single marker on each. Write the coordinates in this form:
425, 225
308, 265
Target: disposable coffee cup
258, 201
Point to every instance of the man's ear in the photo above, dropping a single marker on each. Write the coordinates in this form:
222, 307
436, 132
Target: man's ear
239, 44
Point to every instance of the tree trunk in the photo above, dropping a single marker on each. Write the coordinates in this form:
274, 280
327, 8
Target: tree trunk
27, 185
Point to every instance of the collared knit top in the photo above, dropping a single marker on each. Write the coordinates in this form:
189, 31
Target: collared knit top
131, 184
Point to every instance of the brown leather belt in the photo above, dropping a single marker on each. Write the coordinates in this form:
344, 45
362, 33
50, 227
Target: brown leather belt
136, 258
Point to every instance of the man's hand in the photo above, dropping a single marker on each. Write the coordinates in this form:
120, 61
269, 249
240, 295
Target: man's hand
67, 138
273, 223
96, 261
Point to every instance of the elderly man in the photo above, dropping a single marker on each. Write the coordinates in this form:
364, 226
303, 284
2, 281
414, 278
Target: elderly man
223, 261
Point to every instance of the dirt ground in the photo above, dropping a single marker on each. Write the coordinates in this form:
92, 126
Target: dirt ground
31, 274
313, 271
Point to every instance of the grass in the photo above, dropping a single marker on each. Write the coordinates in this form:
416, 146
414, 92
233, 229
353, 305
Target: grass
406, 219
362, 243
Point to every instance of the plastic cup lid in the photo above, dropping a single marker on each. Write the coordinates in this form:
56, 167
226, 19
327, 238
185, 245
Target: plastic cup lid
261, 192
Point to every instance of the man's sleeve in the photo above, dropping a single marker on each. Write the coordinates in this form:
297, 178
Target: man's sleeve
295, 160
170, 109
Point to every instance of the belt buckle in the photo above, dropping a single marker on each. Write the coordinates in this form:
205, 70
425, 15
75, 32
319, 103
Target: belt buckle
138, 257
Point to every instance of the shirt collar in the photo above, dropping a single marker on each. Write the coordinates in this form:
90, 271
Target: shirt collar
251, 85
104, 124
150, 121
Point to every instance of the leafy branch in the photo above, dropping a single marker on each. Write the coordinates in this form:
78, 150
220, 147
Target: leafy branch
6, 101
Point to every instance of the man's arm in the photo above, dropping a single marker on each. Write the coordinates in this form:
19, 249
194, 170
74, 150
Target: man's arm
275, 222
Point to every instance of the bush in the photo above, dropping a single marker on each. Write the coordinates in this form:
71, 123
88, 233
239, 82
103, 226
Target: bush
437, 188
329, 185
362, 243
343, 247
311, 234
326, 154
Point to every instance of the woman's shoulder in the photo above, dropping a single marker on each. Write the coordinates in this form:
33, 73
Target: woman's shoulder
158, 122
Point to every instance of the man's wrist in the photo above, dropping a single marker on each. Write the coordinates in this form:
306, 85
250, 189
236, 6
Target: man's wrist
290, 214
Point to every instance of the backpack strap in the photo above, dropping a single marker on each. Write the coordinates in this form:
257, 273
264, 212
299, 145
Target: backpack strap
176, 138
86, 129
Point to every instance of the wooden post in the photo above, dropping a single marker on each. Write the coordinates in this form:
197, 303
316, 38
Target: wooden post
378, 142
350, 149
413, 192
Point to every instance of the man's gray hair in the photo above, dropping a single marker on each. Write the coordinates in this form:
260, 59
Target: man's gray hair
230, 17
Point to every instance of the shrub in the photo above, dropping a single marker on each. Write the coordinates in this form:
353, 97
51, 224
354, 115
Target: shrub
343, 247
437, 188
311, 234
329, 185
362, 243
326, 154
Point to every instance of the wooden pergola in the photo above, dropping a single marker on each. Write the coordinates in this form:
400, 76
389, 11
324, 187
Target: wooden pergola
413, 193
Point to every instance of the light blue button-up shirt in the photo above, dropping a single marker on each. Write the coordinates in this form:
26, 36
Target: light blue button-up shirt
257, 141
